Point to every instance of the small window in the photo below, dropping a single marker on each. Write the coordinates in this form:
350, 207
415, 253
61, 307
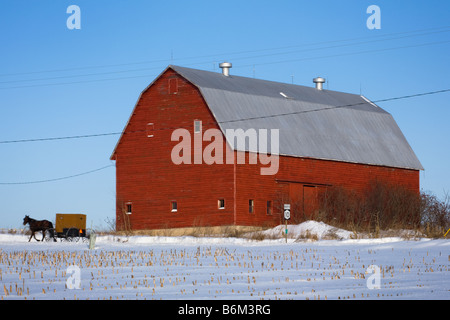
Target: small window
150, 129
221, 203
174, 206
269, 208
197, 126
129, 208
251, 206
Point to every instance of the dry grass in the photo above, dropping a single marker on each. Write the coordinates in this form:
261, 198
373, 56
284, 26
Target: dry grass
307, 236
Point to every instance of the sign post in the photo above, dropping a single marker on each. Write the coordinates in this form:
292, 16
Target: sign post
92, 238
287, 216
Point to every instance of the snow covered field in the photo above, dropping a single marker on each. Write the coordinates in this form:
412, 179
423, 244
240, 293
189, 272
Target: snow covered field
204, 268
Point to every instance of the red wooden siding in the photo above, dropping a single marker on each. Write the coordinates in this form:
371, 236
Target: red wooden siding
148, 179
300, 181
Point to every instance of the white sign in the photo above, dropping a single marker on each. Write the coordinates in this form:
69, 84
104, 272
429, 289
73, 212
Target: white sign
287, 211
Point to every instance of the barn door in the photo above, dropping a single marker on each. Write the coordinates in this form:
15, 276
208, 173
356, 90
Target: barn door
310, 201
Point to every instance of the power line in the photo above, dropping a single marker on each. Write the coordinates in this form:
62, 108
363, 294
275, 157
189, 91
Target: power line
228, 121
370, 41
57, 179
237, 58
62, 138
78, 75
346, 54
76, 82
341, 106
427, 31
413, 95
198, 63
262, 117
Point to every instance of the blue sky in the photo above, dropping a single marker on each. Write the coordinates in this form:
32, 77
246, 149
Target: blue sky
57, 82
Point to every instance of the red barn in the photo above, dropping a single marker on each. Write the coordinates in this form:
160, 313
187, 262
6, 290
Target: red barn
178, 161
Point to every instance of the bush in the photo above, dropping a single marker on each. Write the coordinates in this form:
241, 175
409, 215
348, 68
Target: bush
435, 214
392, 207
385, 206
341, 208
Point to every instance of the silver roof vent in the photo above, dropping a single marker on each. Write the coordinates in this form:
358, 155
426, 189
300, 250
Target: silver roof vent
319, 82
226, 66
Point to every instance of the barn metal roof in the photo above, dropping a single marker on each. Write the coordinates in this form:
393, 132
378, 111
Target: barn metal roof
312, 123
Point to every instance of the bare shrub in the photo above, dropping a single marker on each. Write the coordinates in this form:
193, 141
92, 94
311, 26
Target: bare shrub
110, 226
435, 214
384, 206
123, 222
391, 206
341, 208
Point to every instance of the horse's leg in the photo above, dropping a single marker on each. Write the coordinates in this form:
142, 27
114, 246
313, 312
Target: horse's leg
52, 234
35, 236
43, 234
32, 233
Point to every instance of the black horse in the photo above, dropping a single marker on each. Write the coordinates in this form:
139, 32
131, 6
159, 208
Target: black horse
42, 225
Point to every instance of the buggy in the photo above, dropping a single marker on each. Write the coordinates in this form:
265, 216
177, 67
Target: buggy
71, 226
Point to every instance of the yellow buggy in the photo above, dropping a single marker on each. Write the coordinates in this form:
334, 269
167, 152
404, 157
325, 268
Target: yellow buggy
70, 226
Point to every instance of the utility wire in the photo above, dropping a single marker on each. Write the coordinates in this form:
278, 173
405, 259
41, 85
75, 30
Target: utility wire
229, 121
57, 179
262, 117
76, 82
371, 40
427, 31
346, 54
201, 63
341, 106
236, 58
63, 138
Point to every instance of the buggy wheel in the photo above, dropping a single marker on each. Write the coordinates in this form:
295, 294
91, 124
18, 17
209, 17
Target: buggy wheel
72, 235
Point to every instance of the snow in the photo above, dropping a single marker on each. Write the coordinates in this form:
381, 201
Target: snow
308, 229
226, 268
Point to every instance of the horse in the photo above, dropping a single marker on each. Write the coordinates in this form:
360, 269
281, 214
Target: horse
39, 225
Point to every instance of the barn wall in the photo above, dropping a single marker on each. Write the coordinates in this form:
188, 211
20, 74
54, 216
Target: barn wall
300, 181
147, 178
